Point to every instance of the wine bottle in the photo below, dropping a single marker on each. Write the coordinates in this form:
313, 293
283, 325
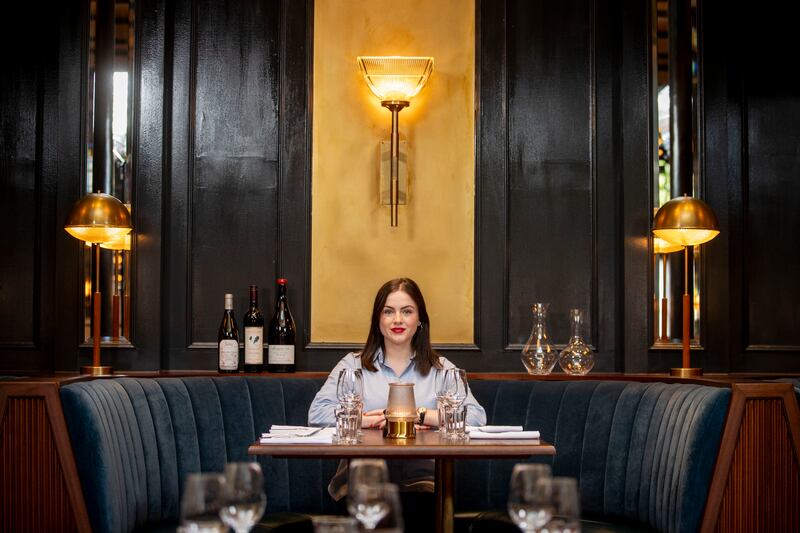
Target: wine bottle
253, 335
280, 354
228, 340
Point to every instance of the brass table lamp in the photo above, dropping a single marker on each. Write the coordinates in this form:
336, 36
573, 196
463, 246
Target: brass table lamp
685, 221
401, 412
97, 218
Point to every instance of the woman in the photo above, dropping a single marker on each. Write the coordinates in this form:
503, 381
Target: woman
398, 348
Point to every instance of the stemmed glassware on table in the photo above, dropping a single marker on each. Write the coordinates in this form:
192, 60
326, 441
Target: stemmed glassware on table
450, 394
350, 392
202, 501
244, 498
530, 504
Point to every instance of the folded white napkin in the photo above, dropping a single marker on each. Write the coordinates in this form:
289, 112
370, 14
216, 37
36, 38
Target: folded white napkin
476, 434
323, 436
291, 431
494, 429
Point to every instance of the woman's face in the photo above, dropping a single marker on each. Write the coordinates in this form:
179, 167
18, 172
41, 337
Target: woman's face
399, 319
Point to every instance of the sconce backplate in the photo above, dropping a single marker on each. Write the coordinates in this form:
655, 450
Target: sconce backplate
385, 173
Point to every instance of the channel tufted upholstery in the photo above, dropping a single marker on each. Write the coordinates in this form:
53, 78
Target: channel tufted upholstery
135, 440
643, 452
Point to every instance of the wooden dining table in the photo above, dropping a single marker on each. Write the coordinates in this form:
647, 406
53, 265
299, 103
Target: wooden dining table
426, 445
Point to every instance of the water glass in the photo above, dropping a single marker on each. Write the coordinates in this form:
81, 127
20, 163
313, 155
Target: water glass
244, 496
455, 419
334, 524
530, 504
347, 424
202, 501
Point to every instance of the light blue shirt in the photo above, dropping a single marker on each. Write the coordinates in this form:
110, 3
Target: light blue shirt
376, 389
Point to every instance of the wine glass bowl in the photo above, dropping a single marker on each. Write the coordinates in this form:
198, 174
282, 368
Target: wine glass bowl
367, 503
201, 503
244, 498
530, 496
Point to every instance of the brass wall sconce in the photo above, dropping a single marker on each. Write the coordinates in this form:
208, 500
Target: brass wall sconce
97, 218
395, 80
685, 221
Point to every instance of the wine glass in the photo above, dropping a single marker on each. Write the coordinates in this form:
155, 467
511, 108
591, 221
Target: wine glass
368, 472
454, 386
530, 496
350, 386
334, 524
244, 498
201, 503
392, 521
367, 503
566, 506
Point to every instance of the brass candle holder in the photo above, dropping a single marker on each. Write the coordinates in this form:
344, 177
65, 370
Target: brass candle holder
401, 412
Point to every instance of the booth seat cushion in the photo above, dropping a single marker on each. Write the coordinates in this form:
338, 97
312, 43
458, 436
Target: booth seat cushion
135, 440
643, 453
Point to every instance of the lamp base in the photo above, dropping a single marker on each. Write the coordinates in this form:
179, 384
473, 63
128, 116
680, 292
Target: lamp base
97, 370
400, 428
685, 372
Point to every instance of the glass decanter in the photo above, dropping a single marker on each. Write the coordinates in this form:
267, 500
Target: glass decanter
538, 355
576, 358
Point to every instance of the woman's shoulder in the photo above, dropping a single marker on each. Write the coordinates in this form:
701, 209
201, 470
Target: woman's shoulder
352, 360
445, 363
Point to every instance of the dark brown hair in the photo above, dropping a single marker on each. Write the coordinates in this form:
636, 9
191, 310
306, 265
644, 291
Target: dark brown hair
426, 357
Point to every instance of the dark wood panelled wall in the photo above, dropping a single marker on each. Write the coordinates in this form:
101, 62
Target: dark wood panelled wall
564, 119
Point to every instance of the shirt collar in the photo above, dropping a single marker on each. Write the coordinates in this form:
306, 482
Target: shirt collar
380, 357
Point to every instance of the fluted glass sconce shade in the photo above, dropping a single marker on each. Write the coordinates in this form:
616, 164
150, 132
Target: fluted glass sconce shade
98, 217
395, 78
685, 221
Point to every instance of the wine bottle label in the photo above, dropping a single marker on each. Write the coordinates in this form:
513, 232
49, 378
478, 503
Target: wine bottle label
228, 354
254, 346
281, 354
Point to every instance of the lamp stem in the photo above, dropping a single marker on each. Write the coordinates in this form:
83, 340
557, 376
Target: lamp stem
686, 303
395, 164
664, 305
96, 310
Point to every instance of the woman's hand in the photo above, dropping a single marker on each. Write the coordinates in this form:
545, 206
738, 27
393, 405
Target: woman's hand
373, 419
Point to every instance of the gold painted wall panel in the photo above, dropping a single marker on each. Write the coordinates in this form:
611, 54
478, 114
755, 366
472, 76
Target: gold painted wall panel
354, 249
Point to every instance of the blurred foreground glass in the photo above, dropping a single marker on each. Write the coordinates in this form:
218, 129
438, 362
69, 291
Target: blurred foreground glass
244, 498
392, 521
530, 496
334, 524
202, 501
538, 355
566, 507
367, 472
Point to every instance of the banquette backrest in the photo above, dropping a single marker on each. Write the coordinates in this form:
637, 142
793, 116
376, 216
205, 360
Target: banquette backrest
643, 452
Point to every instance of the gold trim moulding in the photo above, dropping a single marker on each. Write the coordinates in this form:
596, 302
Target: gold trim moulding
97, 370
400, 428
686, 372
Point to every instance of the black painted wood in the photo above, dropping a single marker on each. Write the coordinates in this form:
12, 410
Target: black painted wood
563, 160
552, 205
29, 121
